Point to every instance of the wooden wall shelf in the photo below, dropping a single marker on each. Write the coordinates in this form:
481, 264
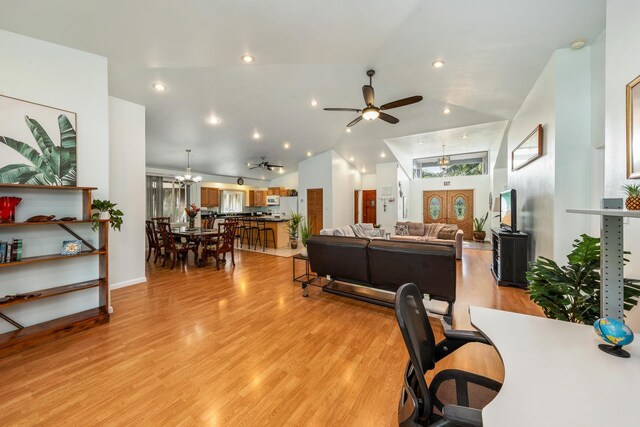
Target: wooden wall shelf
52, 257
58, 290
28, 336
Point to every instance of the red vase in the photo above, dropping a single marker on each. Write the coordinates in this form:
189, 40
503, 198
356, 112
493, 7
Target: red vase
8, 208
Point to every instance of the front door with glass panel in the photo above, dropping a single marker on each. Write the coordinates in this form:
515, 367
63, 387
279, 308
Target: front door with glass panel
450, 207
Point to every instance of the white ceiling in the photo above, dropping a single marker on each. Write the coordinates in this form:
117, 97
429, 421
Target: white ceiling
494, 51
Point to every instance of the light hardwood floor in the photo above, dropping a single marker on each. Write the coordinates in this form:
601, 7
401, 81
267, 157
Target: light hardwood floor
235, 347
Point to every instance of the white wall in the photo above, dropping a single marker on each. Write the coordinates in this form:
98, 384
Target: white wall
622, 66
535, 183
69, 79
126, 185
346, 180
369, 181
481, 186
316, 172
288, 181
387, 176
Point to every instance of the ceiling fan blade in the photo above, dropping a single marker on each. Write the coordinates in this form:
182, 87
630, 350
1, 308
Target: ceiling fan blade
254, 167
388, 118
342, 109
401, 102
276, 166
354, 121
367, 93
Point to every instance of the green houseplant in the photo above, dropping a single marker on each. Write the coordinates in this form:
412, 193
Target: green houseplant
105, 209
478, 228
633, 196
572, 292
293, 225
305, 233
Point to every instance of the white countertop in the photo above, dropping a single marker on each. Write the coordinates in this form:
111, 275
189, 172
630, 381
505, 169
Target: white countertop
555, 375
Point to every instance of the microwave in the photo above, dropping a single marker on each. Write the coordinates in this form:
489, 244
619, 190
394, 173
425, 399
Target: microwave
273, 200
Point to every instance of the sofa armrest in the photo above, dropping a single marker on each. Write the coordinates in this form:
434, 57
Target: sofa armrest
458, 245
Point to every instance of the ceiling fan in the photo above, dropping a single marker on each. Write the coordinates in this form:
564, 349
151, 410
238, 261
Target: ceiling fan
371, 112
263, 165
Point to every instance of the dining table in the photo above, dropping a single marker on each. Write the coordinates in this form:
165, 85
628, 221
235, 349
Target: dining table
196, 236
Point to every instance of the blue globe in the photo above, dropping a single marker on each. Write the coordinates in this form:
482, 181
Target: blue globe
613, 331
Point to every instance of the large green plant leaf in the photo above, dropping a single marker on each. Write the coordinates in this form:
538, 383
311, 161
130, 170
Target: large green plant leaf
46, 146
27, 151
67, 147
12, 174
43, 179
70, 178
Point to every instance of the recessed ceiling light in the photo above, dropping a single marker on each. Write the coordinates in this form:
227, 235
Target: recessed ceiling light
351, 159
263, 177
247, 58
281, 170
213, 120
159, 87
348, 130
420, 143
438, 63
314, 103
383, 155
446, 110
464, 136
256, 135
578, 44
364, 170
286, 145
308, 153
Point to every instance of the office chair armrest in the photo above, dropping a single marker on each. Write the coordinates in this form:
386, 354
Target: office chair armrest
462, 416
468, 336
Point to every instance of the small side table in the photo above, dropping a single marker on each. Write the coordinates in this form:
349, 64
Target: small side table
307, 278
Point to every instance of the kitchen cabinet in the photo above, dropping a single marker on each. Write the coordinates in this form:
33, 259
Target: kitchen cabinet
260, 198
210, 197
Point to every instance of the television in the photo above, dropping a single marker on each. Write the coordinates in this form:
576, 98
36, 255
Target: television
508, 211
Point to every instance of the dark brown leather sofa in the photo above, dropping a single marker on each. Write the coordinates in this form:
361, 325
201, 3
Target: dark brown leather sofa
385, 265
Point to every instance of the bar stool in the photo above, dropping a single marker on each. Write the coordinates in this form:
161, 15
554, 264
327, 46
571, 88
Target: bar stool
263, 231
247, 228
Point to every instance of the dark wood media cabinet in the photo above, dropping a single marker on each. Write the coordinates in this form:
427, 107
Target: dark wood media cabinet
510, 256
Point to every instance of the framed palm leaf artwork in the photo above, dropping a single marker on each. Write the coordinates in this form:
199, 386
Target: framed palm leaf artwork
37, 144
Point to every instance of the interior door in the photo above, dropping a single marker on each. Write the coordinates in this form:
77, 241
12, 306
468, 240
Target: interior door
315, 209
369, 206
434, 207
356, 206
460, 210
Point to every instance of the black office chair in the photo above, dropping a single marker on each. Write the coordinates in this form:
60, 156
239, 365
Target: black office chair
454, 398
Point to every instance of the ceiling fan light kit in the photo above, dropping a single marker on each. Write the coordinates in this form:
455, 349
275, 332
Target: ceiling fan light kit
371, 112
264, 164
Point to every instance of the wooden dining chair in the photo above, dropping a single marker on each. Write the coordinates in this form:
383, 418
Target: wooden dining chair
239, 228
152, 240
207, 223
221, 245
175, 249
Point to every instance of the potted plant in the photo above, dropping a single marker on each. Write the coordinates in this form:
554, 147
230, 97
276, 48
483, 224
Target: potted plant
292, 227
305, 233
478, 228
377, 226
192, 212
572, 292
105, 209
633, 196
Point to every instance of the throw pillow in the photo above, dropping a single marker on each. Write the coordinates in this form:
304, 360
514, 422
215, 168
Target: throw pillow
448, 232
402, 230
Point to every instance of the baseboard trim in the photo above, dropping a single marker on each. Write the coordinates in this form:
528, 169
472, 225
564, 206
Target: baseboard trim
128, 283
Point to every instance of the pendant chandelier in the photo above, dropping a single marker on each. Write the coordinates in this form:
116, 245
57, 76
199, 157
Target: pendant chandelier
187, 180
444, 161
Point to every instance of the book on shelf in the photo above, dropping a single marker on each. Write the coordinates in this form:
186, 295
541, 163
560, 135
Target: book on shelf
10, 251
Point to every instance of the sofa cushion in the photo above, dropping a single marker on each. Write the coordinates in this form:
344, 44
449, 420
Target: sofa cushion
344, 232
341, 257
448, 232
416, 229
366, 226
358, 230
402, 230
431, 230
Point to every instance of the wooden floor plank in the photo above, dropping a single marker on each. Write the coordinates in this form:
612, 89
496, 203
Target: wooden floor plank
239, 346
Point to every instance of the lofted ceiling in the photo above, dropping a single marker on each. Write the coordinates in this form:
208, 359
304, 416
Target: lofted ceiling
494, 51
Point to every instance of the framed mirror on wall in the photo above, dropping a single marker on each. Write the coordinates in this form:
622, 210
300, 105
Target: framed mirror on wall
528, 150
633, 129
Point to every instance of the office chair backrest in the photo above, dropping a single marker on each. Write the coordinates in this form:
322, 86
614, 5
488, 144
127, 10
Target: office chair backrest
420, 342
